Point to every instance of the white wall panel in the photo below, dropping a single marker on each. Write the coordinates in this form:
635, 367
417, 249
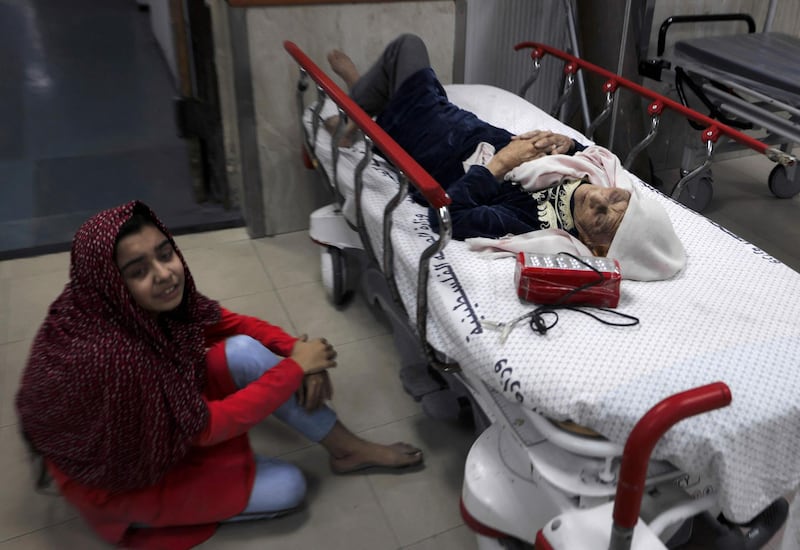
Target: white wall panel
492, 29
362, 30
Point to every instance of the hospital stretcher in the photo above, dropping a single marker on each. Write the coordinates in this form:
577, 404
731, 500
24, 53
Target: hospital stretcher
747, 80
729, 316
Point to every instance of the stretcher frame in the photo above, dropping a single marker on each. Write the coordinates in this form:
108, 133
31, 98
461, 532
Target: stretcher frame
730, 96
665, 414
690, 186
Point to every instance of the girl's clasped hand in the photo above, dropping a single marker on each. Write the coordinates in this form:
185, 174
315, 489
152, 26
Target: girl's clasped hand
314, 357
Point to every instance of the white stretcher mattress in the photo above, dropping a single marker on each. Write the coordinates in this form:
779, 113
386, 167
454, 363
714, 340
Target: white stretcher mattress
732, 315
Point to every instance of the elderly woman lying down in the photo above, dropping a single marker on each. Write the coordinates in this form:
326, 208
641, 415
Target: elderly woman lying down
545, 186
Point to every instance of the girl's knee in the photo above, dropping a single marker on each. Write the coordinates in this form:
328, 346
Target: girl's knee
295, 487
279, 486
284, 483
247, 359
240, 344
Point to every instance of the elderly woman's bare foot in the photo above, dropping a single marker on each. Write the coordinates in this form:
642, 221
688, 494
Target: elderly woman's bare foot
342, 65
348, 133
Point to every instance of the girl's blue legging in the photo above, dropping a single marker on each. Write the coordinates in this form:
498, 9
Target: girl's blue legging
279, 486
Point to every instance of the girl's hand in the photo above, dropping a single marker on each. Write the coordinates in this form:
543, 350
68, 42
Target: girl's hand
547, 142
315, 391
313, 356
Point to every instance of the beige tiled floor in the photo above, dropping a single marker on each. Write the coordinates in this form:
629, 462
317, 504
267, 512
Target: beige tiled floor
277, 279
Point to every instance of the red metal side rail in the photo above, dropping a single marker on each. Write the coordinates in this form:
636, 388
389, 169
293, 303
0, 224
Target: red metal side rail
423, 181
714, 127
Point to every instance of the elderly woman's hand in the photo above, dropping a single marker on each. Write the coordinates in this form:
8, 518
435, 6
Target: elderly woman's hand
512, 155
549, 143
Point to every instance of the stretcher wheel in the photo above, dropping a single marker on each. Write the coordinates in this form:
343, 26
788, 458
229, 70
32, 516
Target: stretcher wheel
334, 274
698, 192
780, 185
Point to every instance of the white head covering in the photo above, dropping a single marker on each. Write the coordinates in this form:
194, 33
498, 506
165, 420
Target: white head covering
645, 244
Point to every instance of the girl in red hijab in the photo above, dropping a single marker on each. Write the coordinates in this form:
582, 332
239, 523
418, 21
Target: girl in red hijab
139, 392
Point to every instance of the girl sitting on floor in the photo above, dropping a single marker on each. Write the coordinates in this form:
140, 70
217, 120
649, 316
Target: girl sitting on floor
139, 393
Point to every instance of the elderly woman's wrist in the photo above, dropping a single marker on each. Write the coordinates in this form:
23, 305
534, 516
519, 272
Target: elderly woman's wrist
497, 167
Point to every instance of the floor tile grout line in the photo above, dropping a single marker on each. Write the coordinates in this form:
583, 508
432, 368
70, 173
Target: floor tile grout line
294, 285
263, 266
364, 339
384, 513
44, 527
247, 295
462, 524
294, 331
209, 245
18, 340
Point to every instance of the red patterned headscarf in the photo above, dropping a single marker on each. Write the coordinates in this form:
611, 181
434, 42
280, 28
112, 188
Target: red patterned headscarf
112, 395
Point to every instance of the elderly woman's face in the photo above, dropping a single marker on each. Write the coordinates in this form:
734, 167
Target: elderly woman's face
598, 212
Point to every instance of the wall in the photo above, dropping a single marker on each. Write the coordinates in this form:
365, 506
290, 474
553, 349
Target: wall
493, 27
162, 29
601, 35
290, 192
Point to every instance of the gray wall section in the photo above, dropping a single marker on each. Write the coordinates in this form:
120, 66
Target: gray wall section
290, 191
495, 26
600, 26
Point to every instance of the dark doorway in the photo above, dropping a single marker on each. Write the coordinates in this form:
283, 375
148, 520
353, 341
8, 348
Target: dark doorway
88, 121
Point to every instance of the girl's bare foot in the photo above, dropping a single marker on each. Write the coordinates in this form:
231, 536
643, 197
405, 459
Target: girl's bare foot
396, 455
342, 65
350, 453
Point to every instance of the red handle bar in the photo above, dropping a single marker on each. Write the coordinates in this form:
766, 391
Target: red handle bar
714, 127
644, 436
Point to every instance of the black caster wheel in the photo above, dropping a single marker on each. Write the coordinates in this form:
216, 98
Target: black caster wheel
780, 185
334, 274
698, 192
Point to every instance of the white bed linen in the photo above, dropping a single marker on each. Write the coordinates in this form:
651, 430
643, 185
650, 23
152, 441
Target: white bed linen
732, 315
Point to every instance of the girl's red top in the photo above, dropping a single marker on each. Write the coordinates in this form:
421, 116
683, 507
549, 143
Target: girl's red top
213, 481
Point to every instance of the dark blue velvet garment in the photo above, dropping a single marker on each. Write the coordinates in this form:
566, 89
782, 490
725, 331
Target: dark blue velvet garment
440, 136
